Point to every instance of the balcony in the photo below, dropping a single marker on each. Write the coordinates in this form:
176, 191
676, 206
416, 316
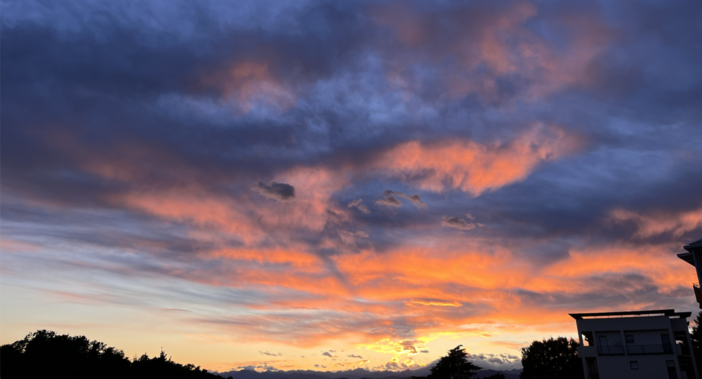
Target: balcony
698, 293
649, 349
610, 350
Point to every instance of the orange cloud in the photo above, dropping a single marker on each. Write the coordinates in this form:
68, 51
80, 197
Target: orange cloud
476, 168
656, 223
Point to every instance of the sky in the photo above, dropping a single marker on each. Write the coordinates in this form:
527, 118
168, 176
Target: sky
330, 185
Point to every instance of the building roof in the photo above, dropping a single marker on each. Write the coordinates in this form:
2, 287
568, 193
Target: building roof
687, 257
690, 245
656, 312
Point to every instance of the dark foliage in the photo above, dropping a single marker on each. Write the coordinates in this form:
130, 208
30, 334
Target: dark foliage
455, 365
45, 354
552, 359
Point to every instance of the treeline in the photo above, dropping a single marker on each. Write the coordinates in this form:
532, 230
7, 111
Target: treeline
547, 359
45, 354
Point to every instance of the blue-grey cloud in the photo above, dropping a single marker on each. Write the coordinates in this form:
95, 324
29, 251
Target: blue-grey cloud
277, 191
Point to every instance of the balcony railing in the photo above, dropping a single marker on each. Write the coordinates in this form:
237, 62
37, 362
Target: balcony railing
610, 350
649, 349
698, 293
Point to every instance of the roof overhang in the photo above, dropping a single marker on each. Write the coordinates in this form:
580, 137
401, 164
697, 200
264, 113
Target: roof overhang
687, 257
656, 312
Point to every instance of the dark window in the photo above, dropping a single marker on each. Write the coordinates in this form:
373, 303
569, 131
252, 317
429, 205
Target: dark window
629, 338
672, 374
604, 349
634, 365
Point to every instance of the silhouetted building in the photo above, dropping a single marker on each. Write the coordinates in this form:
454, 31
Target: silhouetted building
694, 251
651, 344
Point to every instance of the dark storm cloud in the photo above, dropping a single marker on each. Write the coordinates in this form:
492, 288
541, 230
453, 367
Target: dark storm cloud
277, 191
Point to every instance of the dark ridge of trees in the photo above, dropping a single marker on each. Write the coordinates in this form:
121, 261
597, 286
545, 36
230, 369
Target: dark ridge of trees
552, 359
45, 354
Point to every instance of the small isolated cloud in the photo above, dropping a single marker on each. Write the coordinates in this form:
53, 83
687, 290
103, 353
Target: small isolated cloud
390, 199
456, 223
357, 204
328, 354
277, 191
424, 351
259, 368
270, 354
415, 199
408, 347
470, 216
355, 356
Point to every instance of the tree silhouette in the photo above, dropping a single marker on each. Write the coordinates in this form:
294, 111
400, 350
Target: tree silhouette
495, 376
454, 366
44, 354
552, 359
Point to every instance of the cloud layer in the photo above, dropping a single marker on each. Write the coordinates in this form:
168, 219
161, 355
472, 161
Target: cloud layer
252, 165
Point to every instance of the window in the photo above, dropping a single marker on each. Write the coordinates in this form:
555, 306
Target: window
666, 344
629, 338
634, 365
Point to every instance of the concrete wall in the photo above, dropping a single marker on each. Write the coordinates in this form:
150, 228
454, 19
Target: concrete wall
650, 367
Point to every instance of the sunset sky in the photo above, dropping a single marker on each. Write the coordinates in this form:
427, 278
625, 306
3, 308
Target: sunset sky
329, 185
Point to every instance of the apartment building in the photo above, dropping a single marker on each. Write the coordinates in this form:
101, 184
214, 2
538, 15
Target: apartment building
651, 344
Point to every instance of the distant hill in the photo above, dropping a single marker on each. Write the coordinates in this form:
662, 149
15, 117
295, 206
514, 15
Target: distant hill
509, 374
358, 373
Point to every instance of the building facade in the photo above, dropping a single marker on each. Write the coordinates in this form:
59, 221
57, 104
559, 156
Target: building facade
693, 256
651, 344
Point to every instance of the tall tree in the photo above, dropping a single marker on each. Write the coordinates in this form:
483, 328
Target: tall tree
552, 359
454, 366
